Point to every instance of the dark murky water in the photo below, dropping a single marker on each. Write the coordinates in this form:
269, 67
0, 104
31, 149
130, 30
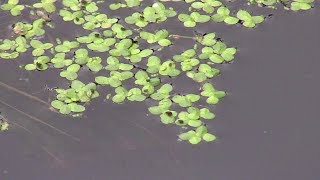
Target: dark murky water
267, 126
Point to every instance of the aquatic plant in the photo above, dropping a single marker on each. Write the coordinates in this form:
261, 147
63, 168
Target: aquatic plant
134, 69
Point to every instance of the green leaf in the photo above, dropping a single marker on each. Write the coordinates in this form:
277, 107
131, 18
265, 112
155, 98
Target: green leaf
195, 140
201, 130
30, 67
194, 123
38, 52
187, 135
206, 114
92, 7
77, 85
231, 20
164, 42
102, 80
115, 6
73, 68
65, 109
57, 104
76, 108
209, 137
243, 15
189, 23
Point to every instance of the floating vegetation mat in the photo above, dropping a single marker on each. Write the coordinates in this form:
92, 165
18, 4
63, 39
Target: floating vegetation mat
126, 55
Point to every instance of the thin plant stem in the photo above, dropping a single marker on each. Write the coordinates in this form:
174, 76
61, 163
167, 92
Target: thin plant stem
176, 36
27, 95
40, 121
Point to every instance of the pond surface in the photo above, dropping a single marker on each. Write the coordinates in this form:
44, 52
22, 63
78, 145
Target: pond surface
267, 125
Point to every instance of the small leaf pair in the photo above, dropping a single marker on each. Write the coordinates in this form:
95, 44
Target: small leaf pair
13, 6
159, 37
206, 5
168, 68
186, 100
205, 71
301, 5
192, 19
71, 73
129, 3
248, 20
192, 116
38, 64
213, 95
223, 14
195, 137
39, 47
47, 5
187, 59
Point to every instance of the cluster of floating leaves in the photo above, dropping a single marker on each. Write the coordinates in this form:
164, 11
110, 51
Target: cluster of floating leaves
294, 5
4, 125
127, 61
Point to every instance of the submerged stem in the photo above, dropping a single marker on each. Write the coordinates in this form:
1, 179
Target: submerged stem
40, 121
176, 36
26, 94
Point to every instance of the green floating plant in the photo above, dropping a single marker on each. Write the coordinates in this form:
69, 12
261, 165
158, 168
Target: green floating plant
294, 5
4, 125
168, 117
187, 59
151, 14
71, 73
130, 50
39, 47
162, 93
76, 5
192, 19
69, 100
168, 68
119, 31
66, 46
192, 116
121, 95
160, 37
206, 5
301, 5
128, 3
153, 65
40, 63
207, 39
10, 49
203, 73
223, 15
186, 100
248, 20
30, 30
60, 61
269, 3
195, 137
13, 6
218, 53
162, 107
114, 65
115, 78
21, 28
134, 70
47, 5
97, 21
213, 95
135, 94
